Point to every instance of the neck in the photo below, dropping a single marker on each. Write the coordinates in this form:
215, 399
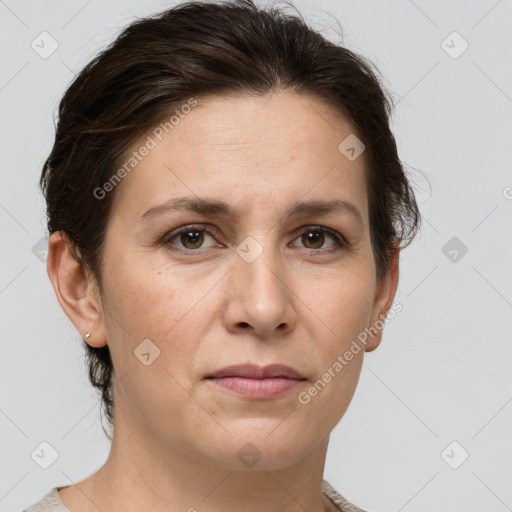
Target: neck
142, 474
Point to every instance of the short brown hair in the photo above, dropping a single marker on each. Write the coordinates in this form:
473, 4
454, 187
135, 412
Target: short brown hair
197, 49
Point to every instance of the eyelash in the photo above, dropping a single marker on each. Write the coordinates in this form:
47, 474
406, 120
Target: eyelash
340, 241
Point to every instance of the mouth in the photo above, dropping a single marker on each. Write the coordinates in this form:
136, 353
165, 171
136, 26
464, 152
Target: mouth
253, 371
257, 382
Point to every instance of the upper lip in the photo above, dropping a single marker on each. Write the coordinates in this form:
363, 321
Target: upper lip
257, 372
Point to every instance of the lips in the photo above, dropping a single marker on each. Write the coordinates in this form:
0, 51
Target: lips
256, 382
253, 371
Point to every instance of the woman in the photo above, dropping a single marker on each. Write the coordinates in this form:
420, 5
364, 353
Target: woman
226, 209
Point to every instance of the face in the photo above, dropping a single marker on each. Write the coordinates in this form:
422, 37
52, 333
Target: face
266, 283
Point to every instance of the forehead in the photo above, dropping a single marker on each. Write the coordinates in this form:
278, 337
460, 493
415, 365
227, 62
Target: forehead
245, 148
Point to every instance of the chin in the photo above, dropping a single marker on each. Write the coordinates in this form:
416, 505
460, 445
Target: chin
259, 450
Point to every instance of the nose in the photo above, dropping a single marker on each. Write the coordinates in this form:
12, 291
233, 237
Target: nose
260, 296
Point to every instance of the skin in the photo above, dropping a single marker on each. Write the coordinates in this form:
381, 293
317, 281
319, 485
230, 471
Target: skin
176, 435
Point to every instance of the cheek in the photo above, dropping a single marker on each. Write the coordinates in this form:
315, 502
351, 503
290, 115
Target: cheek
158, 397
340, 353
150, 301
161, 304
150, 344
343, 302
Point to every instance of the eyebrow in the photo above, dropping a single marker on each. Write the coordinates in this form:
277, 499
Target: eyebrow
219, 208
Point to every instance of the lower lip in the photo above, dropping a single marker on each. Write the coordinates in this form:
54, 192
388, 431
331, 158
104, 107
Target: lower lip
257, 388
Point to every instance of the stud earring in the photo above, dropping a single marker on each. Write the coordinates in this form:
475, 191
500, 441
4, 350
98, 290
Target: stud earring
87, 336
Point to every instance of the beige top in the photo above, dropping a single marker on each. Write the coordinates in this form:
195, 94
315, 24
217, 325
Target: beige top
51, 502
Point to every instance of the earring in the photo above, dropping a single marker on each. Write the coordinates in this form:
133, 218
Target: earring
87, 336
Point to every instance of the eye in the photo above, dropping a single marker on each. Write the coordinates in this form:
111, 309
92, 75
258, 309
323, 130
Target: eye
315, 236
191, 237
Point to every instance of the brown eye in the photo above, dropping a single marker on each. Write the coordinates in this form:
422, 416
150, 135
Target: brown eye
189, 238
194, 238
315, 238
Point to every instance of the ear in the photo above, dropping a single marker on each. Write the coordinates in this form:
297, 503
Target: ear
384, 294
76, 290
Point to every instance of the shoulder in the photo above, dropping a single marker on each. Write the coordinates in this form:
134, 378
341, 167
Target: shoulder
338, 499
50, 502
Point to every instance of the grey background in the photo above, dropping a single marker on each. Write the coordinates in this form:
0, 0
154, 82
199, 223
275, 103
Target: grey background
442, 372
